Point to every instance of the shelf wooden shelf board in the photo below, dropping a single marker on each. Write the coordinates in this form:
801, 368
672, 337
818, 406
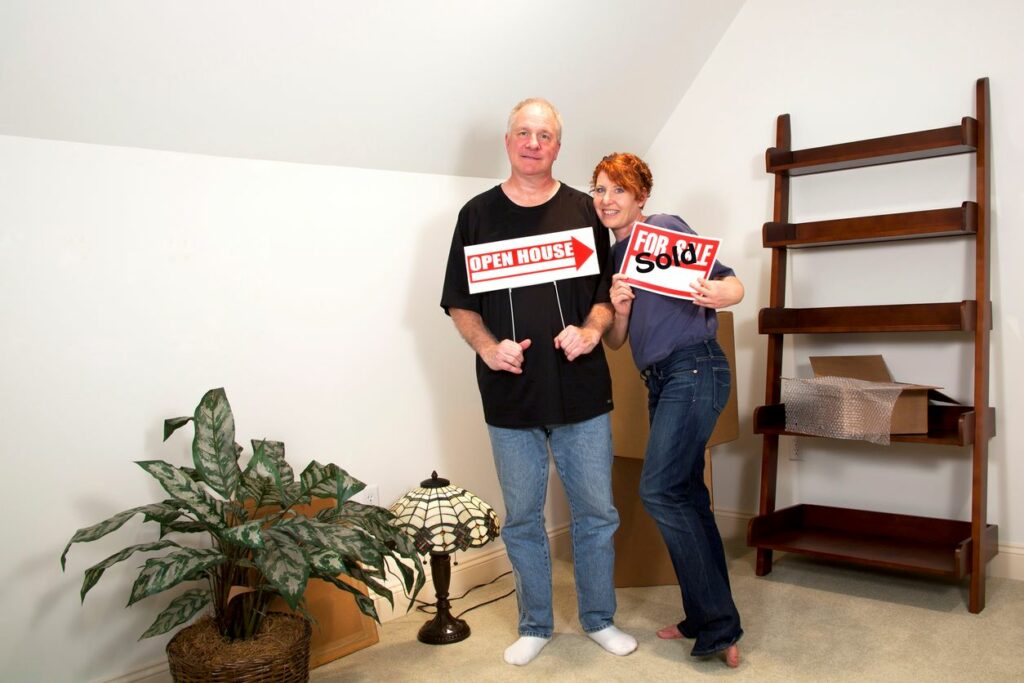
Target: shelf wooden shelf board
877, 151
947, 425
956, 316
940, 547
962, 220
926, 545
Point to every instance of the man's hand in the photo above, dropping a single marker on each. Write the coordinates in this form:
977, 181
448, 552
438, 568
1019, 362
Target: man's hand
577, 341
503, 356
506, 355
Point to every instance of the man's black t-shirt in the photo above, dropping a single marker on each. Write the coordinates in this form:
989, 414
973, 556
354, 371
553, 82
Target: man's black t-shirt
551, 390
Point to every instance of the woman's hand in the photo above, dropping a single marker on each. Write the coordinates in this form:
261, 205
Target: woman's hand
621, 295
717, 293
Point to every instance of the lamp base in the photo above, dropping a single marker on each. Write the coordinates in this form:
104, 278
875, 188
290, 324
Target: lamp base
443, 629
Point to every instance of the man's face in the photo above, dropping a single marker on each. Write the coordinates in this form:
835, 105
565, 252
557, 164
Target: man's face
532, 141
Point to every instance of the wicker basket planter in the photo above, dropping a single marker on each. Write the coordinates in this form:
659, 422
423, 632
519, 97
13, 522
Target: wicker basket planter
278, 654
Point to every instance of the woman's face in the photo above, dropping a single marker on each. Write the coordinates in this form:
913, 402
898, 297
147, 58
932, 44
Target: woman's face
617, 207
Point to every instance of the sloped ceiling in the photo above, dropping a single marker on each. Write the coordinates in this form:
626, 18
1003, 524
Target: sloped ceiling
405, 85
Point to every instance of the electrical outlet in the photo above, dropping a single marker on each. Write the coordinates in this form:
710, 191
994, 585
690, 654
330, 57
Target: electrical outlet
369, 495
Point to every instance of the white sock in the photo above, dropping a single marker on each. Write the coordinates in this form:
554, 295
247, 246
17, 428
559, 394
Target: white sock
614, 640
524, 650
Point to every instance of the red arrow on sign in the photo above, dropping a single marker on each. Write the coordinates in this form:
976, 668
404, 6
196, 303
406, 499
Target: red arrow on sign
582, 252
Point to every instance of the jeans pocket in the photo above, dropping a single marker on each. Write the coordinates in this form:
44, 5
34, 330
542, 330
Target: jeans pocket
680, 386
722, 383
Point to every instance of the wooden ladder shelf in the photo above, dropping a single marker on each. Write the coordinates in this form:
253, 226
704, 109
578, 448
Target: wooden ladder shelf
938, 547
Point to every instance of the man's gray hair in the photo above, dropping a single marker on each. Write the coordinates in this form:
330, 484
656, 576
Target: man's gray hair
542, 102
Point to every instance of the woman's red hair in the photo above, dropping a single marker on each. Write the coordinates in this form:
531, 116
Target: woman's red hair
628, 171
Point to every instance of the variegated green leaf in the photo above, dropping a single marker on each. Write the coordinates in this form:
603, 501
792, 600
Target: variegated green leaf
366, 606
346, 541
409, 577
262, 491
363, 602
181, 609
377, 587
284, 564
91, 533
263, 466
192, 473
305, 530
329, 481
182, 526
327, 562
93, 573
164, 512
172, 425
372, 521
379, 522
351, 542
207, 510
247, 534
213, 447
161, 573
274, 450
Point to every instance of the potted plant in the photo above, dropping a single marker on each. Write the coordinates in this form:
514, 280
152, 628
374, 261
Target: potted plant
262, 538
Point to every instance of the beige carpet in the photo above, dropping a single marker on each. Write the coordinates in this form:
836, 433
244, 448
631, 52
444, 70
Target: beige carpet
806, 621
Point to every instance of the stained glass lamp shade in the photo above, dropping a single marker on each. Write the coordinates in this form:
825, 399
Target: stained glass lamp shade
441, 519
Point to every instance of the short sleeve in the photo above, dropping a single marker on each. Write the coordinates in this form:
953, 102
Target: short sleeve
455, 292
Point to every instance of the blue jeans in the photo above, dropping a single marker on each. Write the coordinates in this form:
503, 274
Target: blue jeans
686, 392
583, 457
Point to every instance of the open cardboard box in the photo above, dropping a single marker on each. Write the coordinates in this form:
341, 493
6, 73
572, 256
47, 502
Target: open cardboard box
640, 555
910, 414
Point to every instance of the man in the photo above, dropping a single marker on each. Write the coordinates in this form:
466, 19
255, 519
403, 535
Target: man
544, 382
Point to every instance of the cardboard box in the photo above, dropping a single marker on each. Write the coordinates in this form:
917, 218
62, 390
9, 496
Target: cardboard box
641, 558
910, 413
630, 419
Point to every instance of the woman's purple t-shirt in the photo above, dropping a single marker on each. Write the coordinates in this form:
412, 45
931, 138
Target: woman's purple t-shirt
658, 324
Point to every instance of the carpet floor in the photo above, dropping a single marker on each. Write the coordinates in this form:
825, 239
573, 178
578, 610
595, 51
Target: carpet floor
806, 621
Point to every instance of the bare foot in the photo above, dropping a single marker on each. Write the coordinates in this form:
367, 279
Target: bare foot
669, 633
731, 655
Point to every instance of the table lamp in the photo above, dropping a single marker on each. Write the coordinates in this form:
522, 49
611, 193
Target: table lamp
441, 519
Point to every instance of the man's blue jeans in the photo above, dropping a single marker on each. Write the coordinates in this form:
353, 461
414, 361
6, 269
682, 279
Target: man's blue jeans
583, 457
686, 393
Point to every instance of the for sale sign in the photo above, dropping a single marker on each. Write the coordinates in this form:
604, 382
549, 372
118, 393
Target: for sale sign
531, 260
666, 261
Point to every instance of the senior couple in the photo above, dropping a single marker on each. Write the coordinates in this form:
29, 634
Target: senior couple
545, 387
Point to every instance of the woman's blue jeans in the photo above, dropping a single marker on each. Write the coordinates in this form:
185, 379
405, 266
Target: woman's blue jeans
686, 393
583, 457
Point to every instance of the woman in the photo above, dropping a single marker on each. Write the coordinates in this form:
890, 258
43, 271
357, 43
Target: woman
687, 377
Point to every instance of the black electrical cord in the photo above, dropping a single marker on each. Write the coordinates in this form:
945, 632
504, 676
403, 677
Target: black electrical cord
431, 607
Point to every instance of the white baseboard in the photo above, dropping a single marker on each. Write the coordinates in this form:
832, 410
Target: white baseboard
1009, 563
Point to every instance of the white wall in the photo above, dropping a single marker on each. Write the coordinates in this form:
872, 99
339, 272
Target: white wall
131, 281
848, 71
